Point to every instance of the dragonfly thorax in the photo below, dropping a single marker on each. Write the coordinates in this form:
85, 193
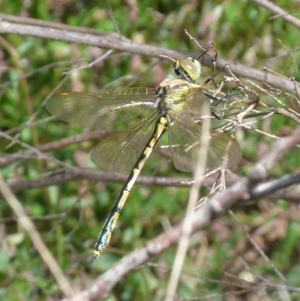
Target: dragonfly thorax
172, 93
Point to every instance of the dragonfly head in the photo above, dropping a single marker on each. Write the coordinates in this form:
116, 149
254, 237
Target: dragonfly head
188, 69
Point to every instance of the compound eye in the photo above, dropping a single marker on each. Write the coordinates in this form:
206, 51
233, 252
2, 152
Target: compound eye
192, 68
188, 68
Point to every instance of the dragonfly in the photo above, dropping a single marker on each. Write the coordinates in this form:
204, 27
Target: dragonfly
175, 107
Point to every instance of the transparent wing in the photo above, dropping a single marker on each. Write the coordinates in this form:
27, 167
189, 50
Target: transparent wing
185, 136
103, 110
121, 150
223, 150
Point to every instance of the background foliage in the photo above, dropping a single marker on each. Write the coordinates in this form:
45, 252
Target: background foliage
69, 216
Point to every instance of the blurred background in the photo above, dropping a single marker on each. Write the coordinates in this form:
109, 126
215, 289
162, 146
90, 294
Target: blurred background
69, 211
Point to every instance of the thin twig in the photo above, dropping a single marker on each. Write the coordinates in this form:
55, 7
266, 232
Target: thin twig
36, 239
219, 204
114, 42
279, 12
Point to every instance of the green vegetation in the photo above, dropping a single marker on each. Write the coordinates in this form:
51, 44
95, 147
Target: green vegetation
68, 214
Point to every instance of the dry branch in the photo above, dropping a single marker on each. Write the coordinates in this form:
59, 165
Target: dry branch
71, 34
243, 191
